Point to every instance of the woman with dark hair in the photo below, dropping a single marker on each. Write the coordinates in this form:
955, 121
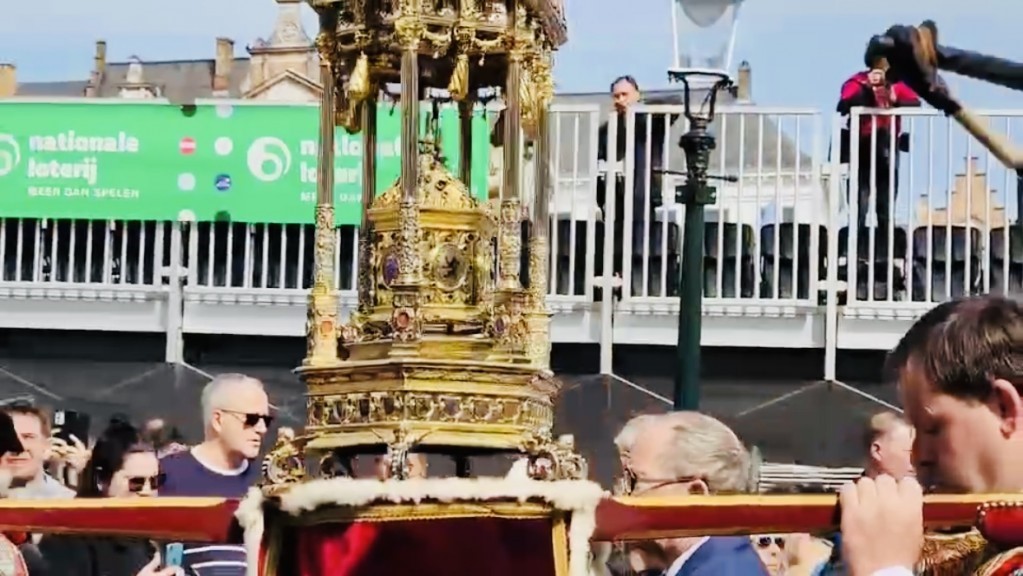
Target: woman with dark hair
122, 465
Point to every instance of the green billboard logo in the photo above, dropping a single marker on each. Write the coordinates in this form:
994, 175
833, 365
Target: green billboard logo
148, 161
10, 154
268, 159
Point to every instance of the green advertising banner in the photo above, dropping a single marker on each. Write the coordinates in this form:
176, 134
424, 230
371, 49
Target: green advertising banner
230, 161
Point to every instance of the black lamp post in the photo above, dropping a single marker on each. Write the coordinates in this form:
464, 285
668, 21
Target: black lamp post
695, 195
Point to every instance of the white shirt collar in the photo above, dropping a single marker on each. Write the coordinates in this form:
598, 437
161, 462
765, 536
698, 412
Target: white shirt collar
676, 566
216, 469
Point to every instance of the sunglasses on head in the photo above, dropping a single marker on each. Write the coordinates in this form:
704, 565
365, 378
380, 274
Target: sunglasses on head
138, 483
251, 419
766, 541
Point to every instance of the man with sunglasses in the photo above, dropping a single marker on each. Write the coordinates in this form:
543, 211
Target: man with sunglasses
771, 549
236, 416
686, 453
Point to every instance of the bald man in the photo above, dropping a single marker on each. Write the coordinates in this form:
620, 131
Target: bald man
236, 417
888, 446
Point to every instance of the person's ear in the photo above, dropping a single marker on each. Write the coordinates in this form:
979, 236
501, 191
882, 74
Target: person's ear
217, 421
1006, 403
875, 450
699, 488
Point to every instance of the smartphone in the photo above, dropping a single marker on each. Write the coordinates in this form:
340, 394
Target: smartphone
173, 555
68, 423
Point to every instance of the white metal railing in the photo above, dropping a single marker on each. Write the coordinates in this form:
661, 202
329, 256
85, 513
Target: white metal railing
762, 229
950, 232
275, 257
110, 254
780, 477
779, 236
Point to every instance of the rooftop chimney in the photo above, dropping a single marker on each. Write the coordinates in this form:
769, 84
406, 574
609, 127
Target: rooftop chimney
222, 67
744, 88
100, 58
8, 80
99, 69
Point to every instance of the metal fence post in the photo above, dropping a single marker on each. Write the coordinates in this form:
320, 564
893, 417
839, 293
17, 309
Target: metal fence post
175, 350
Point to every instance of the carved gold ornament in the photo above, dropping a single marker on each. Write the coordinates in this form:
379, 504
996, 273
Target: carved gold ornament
284, 464
554, 460
458, 87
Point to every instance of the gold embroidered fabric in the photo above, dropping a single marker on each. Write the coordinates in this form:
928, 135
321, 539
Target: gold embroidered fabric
958, 555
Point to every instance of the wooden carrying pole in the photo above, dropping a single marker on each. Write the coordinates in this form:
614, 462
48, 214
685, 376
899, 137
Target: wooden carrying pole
1008, 154
998, 516
164, 519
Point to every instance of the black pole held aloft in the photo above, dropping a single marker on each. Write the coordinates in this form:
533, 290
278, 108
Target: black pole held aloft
695, 195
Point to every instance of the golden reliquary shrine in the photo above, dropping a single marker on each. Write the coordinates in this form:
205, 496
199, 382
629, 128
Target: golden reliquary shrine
448, 352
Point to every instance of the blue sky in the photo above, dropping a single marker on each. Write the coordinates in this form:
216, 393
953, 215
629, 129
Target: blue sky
800, 50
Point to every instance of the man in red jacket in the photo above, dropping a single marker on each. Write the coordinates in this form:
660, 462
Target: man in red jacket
870, 88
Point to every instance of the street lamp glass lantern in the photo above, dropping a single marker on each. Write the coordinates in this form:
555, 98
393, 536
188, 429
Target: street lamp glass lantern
700, 89
704, 34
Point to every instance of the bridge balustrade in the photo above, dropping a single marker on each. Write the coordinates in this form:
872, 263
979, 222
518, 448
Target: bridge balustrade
795, 253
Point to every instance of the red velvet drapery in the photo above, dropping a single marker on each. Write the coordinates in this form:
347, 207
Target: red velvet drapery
457, 546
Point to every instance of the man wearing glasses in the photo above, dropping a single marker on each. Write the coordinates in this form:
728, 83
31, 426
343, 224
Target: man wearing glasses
236, 416
686, 453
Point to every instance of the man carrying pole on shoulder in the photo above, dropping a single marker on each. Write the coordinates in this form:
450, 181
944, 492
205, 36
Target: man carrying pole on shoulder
960, 375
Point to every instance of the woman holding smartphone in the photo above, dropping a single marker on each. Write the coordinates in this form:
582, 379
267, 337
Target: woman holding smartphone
122, 465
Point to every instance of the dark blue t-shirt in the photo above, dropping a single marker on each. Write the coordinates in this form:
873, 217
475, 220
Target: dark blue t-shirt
186, 476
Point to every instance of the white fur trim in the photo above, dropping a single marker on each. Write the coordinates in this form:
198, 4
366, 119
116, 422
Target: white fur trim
579, 497
598, 560
519, 470
250, 517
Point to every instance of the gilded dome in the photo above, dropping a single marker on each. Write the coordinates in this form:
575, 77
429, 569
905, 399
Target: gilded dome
438, 189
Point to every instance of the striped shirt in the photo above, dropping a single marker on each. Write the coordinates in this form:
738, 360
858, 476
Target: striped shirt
187, 476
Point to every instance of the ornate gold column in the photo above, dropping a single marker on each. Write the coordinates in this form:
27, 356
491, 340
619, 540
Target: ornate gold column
539, 347
369, 187
510, 327
510, 233
321, 323
405, 321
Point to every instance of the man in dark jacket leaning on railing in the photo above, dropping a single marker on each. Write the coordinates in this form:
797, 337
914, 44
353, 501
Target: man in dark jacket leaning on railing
649, 127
